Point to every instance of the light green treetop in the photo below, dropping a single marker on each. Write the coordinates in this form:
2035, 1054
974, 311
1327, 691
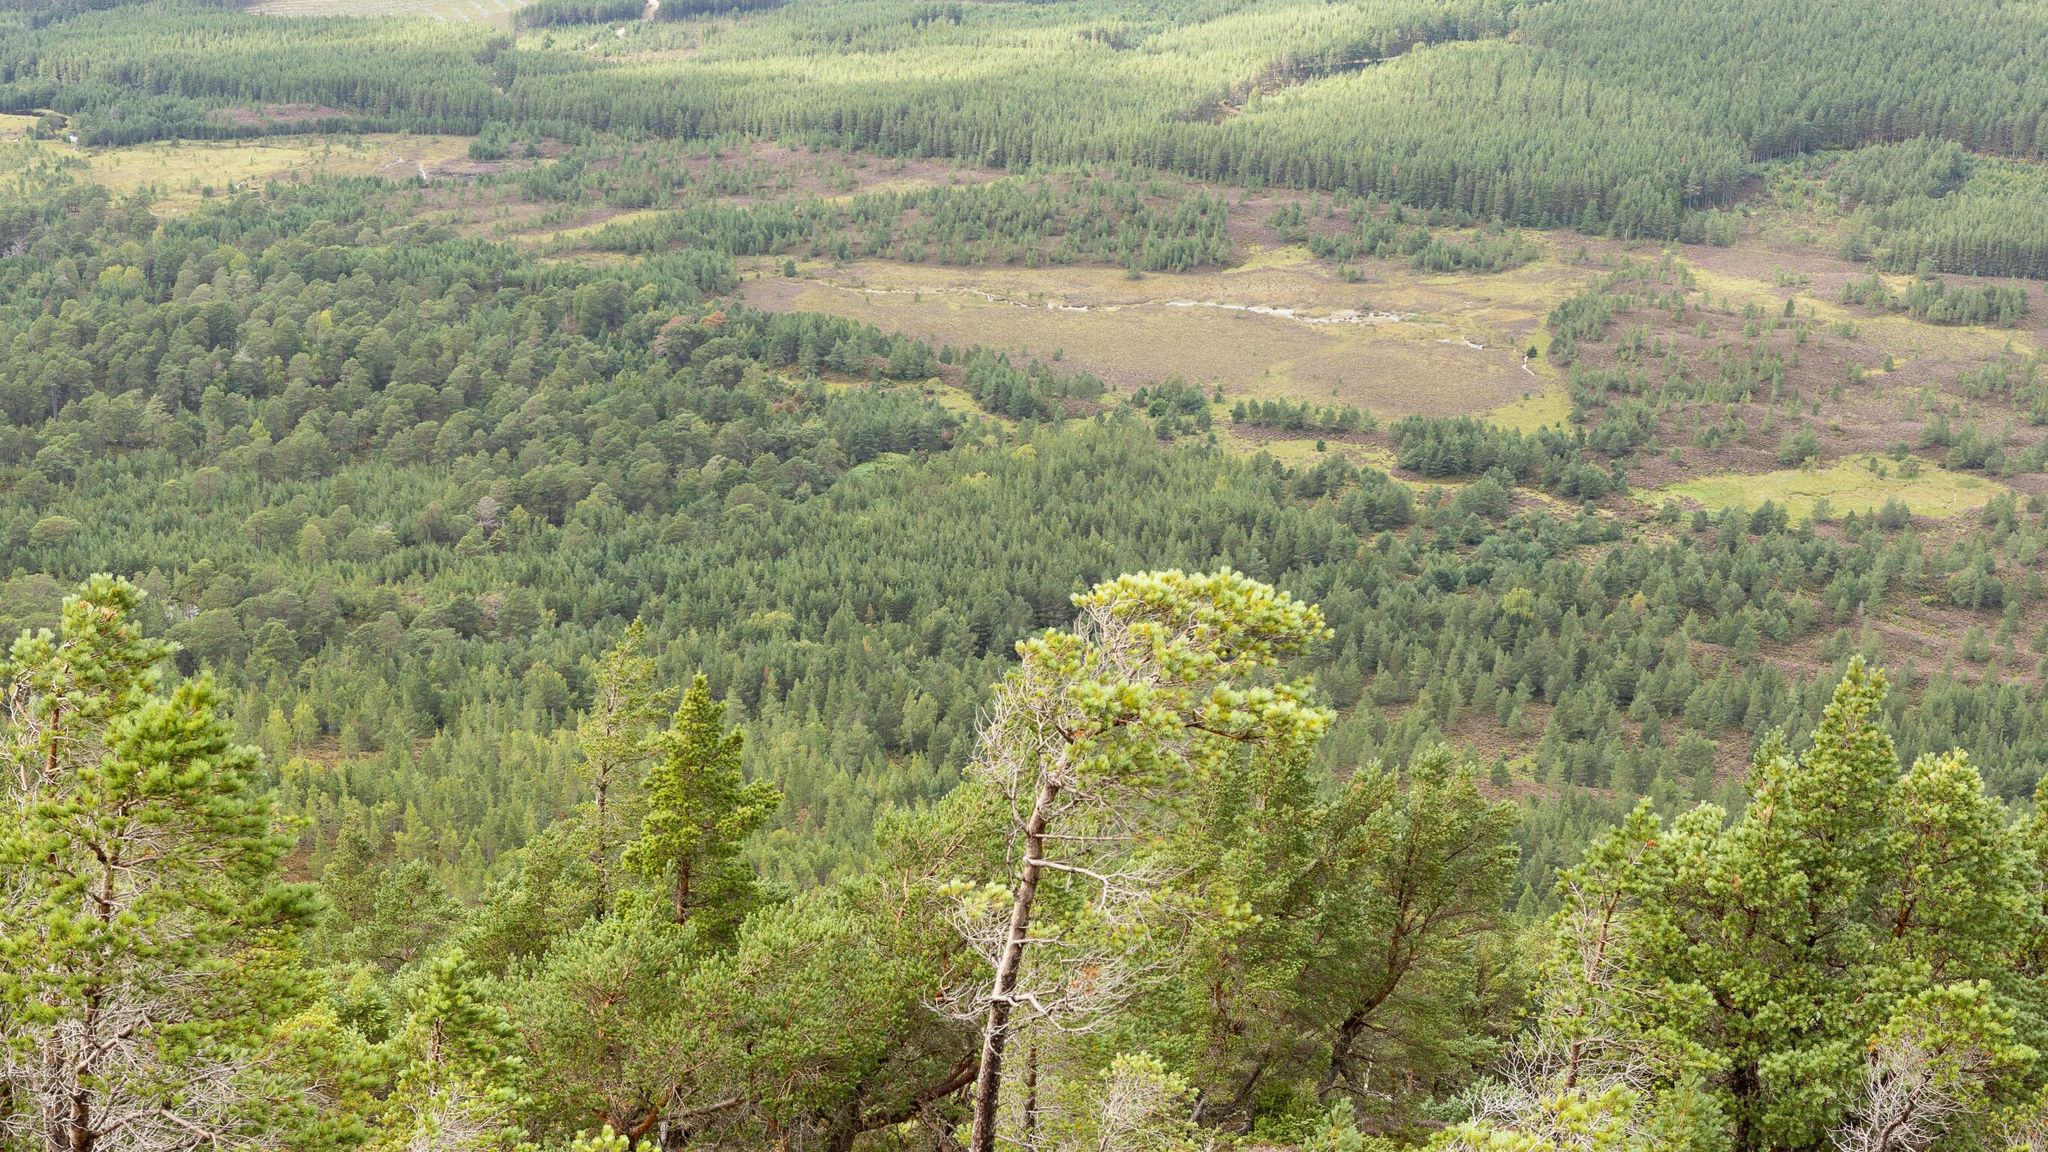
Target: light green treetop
700, 811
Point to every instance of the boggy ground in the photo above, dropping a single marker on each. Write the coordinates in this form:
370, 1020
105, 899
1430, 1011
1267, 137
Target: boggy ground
1865, 383
1279, 325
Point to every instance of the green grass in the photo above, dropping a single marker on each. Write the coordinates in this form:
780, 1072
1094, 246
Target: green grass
181, 173
1861, 485
1545, 406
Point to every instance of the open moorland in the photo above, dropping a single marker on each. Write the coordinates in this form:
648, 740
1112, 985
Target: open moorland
1278, 327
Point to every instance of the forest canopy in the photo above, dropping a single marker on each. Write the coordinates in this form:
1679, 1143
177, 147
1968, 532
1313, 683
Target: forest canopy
925, 576
1145, 894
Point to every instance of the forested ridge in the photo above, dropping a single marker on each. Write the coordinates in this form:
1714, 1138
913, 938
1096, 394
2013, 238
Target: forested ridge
487, 682
1616, 119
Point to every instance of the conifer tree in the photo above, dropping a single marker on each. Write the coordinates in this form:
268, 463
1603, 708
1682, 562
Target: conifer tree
457, 1085
700, 811
602, 1018
617, 736
148, 947
1835, 966
1088, 744
1423, 874
1337, 944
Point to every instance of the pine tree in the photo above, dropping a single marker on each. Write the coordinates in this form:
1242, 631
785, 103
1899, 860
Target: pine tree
700, 811
458, 1068
617, 736
1087, 744
602, 1014
1425, 873
1835, 966
148, 948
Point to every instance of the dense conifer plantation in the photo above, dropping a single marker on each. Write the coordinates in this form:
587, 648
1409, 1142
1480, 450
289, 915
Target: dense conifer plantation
1621, 117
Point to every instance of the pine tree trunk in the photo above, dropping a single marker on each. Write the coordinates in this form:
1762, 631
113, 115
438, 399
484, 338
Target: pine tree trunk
1745, 1085
1030, 1140
996, 1032
1347, 1037
599, 857
80, 1134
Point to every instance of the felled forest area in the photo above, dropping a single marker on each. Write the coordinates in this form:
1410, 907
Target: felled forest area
901, 576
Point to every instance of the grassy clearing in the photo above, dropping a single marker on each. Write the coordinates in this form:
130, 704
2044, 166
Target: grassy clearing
1395, 343
1298, 451
1898, 336
903, 185
568, 236
1284, 256
1847, 486
1547, 405
181, 173
1737, 289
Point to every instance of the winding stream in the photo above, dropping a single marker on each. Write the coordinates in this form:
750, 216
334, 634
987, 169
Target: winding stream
1335, 316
